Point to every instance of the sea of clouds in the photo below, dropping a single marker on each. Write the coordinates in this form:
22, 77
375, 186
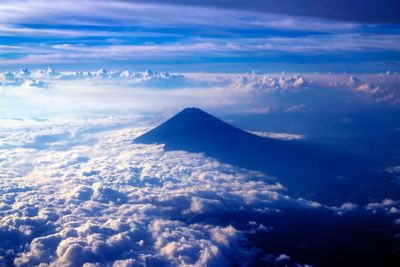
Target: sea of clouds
94, 197
78, 192
75, 190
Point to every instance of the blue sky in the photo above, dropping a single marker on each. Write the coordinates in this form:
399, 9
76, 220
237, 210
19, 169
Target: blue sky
216, 36
80, 80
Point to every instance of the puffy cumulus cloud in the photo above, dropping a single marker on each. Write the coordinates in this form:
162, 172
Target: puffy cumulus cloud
203, 205
379, 88
368, 89
253, 227
116, 203
198, 245
34, 83
42, 77
283, 92
252, 93
23, 78
387, 205
267, 84
282, 257
148, 77
44, 73
345, 207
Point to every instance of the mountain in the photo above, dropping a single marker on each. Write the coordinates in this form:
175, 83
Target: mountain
308, 170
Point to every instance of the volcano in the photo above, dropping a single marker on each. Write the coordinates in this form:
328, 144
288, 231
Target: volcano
307, 169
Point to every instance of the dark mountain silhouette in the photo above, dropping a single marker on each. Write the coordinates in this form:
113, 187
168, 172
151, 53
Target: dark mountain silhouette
308, 170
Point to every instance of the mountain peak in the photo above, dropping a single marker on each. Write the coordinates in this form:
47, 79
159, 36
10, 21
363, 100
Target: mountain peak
191, 124
192, 109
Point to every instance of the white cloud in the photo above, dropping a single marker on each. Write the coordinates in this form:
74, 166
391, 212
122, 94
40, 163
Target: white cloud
345, 207
375, 88
388, 206
26, 76
106, 13
282, 257
33, 83
294, 108
267, 84
196, 245
262, 110
282, 136
245, 93
114, 202
72, 202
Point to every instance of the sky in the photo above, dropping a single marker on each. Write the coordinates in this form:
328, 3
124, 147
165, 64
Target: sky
80, 80
211, 36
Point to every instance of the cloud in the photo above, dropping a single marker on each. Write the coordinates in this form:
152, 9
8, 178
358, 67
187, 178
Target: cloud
393, 169
120, 210
282, 136
255, 47
294, 108
27, 78
253, 83
59, 33
345, 207
71, 202
183, 36
387, 205
23, 78
195, 245
378, 94
118, 12
256, 93
376, 88
262, 110
34, 83
282, 257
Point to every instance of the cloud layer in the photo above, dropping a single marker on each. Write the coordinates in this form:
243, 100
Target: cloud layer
248, 93
119, 203
79, 192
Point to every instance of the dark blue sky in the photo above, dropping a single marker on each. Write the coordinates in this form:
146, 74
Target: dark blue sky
356, 10
222, 36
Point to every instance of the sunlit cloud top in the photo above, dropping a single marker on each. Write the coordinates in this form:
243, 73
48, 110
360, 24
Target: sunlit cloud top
214, 36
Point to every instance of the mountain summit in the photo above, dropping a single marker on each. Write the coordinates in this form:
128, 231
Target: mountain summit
307, 169
193, 129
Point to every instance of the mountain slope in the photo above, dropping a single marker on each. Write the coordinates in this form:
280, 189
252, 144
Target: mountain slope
308, 170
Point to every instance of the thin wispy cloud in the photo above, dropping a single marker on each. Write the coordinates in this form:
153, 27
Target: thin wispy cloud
219, 48
111, 31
